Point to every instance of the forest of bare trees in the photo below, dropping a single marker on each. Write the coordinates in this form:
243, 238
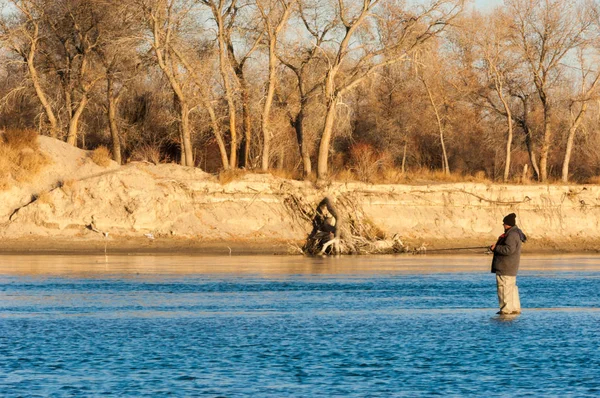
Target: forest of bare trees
373, 89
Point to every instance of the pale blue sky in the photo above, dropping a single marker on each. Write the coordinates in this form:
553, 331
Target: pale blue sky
487, 4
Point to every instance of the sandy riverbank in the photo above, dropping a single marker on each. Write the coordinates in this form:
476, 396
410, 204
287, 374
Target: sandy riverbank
166, 208
166, 246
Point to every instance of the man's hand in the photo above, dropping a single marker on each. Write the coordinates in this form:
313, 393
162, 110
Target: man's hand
492, 247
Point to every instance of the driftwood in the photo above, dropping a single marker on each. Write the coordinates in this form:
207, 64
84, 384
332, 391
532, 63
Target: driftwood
358, 233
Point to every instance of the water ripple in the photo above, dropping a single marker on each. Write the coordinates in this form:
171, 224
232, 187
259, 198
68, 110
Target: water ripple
297, 335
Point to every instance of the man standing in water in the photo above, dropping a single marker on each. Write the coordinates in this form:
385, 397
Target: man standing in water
507, 255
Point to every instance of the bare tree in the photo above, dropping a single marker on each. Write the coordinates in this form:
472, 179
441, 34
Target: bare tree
83, 21
163, 18
355, 58
250, 35
304, 60
589, 82
496, 68
275, 14
20, 32
224, 13
433, 67
117, 52
545, 32
199, 75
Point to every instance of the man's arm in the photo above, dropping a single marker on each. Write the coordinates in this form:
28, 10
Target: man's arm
510, 245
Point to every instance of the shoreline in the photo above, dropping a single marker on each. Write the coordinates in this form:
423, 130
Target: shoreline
169, 246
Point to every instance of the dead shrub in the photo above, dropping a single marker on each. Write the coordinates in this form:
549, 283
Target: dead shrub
147, 153
20, 157
392, 176
32, 162
287, 174
227, 176
595, 180
479, 176
18, 139
101, 156
345, 175
367, 163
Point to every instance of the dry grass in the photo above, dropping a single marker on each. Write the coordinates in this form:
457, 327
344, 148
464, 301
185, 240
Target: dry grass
101, 156
20, 139
147, 153
594, 180
227, 176
20, 157
345, 176
287, 174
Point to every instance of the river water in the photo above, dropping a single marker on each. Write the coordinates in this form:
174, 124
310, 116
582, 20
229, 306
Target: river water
277, 326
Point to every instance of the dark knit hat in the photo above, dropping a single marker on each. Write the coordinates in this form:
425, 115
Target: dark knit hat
511, 219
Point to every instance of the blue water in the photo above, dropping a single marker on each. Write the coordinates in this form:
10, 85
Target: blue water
296, 328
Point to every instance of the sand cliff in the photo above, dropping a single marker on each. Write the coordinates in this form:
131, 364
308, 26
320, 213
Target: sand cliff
80, 204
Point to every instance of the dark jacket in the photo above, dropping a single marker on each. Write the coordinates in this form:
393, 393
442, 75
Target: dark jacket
507, 253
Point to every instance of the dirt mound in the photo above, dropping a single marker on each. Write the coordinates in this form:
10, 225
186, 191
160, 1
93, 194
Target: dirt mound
65, 163
75, 199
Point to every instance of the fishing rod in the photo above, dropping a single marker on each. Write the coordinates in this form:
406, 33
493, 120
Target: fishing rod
425, 250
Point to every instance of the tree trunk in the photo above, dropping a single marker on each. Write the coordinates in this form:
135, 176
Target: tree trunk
528, 141
404, 158
247, 123
74, 122
266, 129
187, 152
570, 140
218, 136
509, 139
545, 149
37, 85
322, 160
112, 122
223, 68
445, 165
304, 154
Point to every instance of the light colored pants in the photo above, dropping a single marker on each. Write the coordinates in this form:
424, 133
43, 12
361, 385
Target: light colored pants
508, 294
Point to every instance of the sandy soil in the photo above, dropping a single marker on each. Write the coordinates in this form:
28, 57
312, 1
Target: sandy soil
142, 246
129, 245
72, 204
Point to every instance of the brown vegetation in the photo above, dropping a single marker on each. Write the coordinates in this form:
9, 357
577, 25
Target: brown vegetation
20, 158
370, 90
101, 156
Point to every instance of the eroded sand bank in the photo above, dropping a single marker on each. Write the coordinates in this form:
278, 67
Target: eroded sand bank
77, 206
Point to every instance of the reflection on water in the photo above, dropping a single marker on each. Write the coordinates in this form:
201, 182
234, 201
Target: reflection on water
294, 326
73, 265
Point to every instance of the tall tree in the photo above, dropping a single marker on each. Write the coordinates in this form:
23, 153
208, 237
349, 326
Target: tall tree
225, 13
589, 78
117, 52
369, 40
20, 32
429, 74
545, 32
304, 59
275, 14
164, 17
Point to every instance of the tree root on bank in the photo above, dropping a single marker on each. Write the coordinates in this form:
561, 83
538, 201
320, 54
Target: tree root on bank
359, 234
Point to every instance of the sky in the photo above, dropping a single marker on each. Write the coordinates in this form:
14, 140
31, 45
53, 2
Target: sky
487, 4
